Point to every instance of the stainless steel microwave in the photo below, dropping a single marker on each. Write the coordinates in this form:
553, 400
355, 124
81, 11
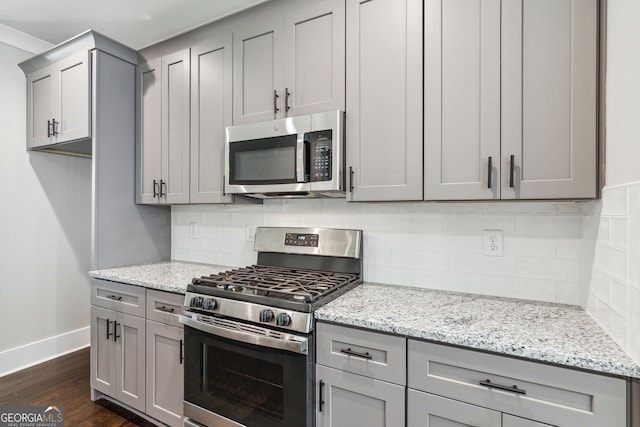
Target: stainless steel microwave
299, 156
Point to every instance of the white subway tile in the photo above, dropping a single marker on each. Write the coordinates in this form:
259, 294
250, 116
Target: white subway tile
377, 256
462, 282
617, 263
463, 244
530, 246
475, 224
632, 346
236, 259
614, 201
511, 287
634, 235
394, 240
619, 232
570, 208
599, 285
454, 208
420, 259
244, 218
520, 208
612, 322
404, 276
546, 268
591, 207
604, 230
218, 244
568, 249
414, 223
216, 218
370, 222
232, 233
204, 256
552, 226
433, 242
568, 293
503, 266
618, 296
179, 254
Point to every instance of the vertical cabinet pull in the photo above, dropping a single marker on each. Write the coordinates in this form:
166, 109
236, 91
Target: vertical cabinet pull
155, 189
224, 193
321, 396
287, 107
275, 102
115, 331
181, 351
163, 188
490, 166
511, 168
350, 179
54, 127
108, 333
49, 128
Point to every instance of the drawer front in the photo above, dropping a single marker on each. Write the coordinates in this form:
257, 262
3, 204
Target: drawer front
365, 353
128, 299
550, 394
424, 409
164, 307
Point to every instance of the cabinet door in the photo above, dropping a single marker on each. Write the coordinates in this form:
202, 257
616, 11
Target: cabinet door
257, 73
314, 59
148, 123
211, 112
130, 360
39, 107
384, 100
103, 357
352, 400
174, 186
462, 102
72, 99
549, 93
429, 410
165, 377
511, 421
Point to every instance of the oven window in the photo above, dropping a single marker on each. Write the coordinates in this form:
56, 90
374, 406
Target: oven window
263, 161
246, 383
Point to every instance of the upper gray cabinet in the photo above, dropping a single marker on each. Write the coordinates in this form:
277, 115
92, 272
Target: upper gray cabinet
163, 130
59, 102
290, 65
384, 100
211, 103
510, 99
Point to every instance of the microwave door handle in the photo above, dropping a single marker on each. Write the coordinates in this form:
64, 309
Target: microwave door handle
301, 158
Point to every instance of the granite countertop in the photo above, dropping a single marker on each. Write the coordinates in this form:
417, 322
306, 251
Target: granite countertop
170, 276
555, 333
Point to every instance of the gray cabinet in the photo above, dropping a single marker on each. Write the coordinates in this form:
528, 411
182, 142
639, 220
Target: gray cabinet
165, 376
360, 376
211, 112
384, 100
425, 409
163, 120
524, 393
290, 65
510, 99
118, 356
58, 102
351, 400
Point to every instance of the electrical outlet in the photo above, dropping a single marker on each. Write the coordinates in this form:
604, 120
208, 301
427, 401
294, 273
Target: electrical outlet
250, 233
193, 230
492, 243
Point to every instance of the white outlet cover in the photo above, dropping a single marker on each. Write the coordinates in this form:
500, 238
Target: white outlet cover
492, 243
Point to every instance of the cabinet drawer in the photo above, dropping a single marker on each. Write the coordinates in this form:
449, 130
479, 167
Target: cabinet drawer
118, 296
164, 307
424, 409
366, 353
546, 393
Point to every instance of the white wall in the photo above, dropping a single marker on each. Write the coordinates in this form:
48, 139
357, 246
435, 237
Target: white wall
614, 290
433, 245
45, 234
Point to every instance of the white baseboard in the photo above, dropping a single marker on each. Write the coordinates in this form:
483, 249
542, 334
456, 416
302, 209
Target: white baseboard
18, 358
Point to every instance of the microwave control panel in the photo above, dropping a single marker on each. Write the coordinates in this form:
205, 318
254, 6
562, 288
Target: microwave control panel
299, 239
319, 155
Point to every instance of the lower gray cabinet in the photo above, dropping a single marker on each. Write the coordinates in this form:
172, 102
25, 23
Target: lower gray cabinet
165, 376
424, 409
118, 356
351, 400
511, 421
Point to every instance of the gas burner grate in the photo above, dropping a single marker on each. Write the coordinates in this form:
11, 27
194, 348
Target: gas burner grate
279, 282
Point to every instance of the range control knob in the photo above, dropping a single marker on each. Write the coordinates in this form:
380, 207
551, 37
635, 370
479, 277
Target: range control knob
283, 319
196, 302
266, 315
209, 304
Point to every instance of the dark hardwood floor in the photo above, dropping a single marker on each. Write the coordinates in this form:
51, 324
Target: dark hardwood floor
65, 382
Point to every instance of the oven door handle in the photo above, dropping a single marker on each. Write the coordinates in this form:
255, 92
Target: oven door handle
299, 345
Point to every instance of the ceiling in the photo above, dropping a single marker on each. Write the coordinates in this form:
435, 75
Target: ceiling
135, 23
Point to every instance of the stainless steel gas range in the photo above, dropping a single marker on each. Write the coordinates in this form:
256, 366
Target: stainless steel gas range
249, 346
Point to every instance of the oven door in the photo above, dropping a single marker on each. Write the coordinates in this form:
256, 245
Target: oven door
232, 380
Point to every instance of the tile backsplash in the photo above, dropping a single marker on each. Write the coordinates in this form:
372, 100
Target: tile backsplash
432, 245
613, 298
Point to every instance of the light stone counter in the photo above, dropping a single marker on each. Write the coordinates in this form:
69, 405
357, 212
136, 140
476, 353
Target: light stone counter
170, 276
555, 333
